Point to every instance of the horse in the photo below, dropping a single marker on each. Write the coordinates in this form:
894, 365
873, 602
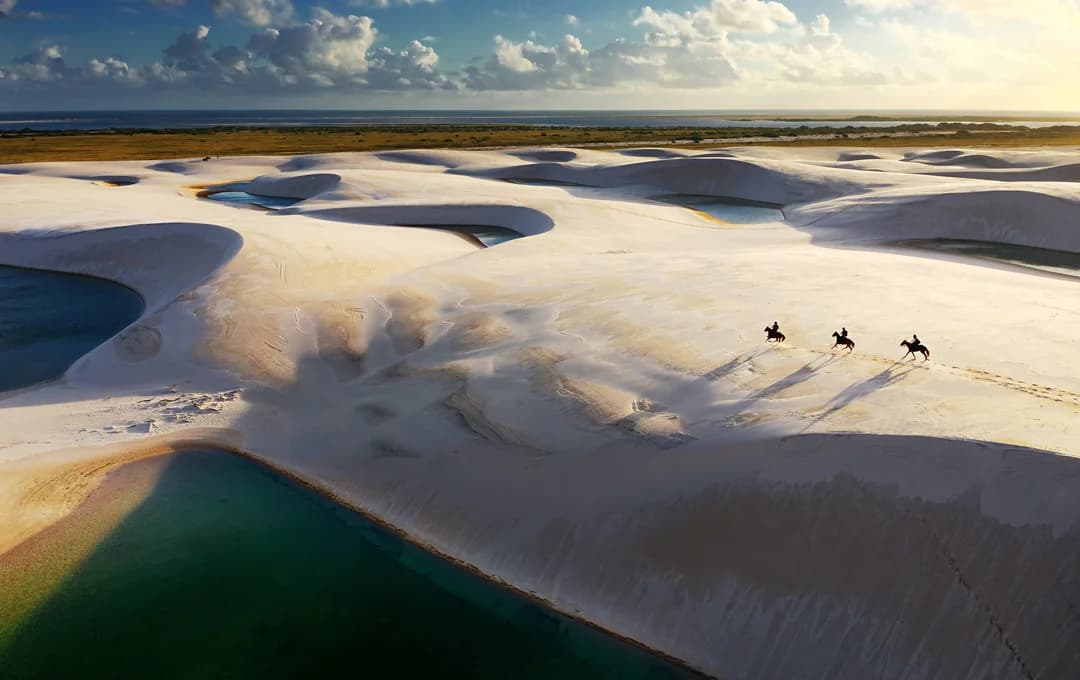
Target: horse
842, 341
914, 348
774, 335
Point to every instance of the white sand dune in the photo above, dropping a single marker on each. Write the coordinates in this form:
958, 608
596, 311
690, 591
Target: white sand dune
591, 413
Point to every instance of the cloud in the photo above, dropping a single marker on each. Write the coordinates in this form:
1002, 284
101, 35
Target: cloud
43, 65
569, 65
325, 50
519, 57
571, 20
256, 12
415, 67
882, 6
809, 53
7, 11
113, 70
383, 4
718, 19
717, 48
1046, 12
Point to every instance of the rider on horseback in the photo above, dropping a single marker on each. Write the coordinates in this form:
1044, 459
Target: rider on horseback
843, 332
775, 327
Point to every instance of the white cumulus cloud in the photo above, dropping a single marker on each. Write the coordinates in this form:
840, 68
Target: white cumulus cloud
383, 4
256, 12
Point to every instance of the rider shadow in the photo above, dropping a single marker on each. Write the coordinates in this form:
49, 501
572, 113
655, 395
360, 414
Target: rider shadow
740, 360
800, 375
890, 376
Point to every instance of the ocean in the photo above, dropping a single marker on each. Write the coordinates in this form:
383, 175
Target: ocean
104, 120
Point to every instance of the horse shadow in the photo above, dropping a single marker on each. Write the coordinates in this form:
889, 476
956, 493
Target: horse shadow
730, 367
799, 375
890, 376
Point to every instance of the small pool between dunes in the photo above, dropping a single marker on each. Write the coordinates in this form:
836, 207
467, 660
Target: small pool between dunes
48, 320
1058, 262
730, 210
238, 194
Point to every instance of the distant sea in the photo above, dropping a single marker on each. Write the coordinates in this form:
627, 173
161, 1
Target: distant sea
104, 120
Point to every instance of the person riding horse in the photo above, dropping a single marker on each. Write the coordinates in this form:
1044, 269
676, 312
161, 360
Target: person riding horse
773, 333
842, 340
915, 346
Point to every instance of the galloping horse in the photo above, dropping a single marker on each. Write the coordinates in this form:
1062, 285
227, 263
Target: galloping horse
843, 341
914, 348
774, 335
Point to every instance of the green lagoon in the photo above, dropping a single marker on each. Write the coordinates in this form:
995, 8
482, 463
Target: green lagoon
204, 564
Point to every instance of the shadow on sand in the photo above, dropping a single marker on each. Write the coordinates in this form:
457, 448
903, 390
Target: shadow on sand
890, 376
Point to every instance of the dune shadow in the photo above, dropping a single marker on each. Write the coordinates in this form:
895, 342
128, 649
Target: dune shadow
490, 224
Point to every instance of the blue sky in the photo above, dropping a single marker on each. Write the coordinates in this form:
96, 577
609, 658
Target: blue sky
735, 54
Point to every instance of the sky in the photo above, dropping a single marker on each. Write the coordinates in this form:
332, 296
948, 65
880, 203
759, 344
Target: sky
1000, 55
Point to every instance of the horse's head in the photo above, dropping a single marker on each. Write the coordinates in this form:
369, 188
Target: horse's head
835, 334
904, 343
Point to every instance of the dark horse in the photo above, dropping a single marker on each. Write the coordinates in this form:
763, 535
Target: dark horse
914, 348
843, 341
774, 335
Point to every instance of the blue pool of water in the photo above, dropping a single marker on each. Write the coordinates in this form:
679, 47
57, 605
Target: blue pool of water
48, 320
733, 210
241, 197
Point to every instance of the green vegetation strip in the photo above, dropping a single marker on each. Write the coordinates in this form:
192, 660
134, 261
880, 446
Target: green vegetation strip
137, 144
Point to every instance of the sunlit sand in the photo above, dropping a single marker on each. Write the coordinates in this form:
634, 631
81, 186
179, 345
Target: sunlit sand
590, 412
